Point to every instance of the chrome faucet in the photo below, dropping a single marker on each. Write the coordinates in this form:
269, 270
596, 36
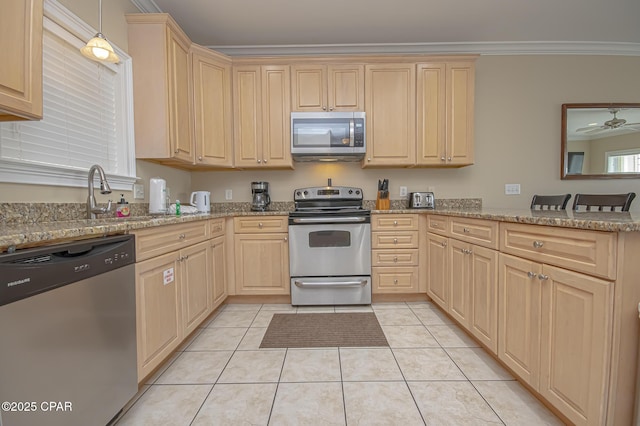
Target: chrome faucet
92, 207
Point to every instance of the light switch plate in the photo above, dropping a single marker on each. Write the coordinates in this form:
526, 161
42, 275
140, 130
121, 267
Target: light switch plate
138, 191
403, 191
512, 188
228, 194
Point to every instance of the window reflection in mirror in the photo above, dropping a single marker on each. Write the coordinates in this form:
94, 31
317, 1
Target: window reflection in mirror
600, 141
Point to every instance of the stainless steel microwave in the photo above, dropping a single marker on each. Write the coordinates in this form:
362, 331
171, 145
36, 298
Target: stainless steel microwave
328, 136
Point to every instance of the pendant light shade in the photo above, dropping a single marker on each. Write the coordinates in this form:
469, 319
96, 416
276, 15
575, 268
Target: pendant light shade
98, 48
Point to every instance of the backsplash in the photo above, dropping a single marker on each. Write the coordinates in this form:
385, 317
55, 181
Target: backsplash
26, 213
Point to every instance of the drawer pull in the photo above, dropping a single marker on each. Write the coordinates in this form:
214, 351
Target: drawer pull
395, 223
543, 277
395, 259
538, 244
435, 225
466, 230
395, 241
395, 281
444, 244
531, 274
182, 236
286, 239
260, 225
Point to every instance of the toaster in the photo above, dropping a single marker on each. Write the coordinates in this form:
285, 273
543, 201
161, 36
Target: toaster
421, 200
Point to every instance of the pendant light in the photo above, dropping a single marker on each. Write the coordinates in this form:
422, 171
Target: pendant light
98, 48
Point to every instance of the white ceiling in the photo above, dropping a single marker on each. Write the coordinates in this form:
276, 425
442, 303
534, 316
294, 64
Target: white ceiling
476, 26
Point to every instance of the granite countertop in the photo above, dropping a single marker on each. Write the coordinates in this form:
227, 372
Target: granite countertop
29, 235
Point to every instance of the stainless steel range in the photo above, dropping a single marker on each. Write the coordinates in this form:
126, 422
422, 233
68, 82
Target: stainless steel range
330, 247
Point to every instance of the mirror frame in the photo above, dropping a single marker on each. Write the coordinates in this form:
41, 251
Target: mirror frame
564, 163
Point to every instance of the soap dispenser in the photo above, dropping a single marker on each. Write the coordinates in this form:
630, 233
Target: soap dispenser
122, 210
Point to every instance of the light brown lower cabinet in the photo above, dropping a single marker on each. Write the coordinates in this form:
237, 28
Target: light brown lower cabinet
196, 292
218, 259
555, 333
438, 261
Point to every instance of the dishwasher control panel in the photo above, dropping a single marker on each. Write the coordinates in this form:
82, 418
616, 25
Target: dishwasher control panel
29, 272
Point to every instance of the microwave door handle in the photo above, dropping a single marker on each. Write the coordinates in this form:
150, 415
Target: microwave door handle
351, 132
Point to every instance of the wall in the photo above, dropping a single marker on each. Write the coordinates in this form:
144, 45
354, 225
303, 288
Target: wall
517, 133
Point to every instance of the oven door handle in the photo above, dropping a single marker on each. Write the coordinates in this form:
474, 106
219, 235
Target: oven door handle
347, 219
325, 284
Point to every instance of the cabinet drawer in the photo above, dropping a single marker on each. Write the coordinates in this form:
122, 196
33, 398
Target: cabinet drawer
592, 252
216, 227
395, 280
397, 240
156, 241
389, 222
481, 232
394, 257
266, 224
438, 224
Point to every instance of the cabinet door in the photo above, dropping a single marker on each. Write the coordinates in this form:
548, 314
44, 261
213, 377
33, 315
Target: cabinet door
158, 316
309, 87
218, 261
21, 47
276, 117
247, 86
179, 68
212, 108
196, 300
437, 273
460, 109
390, 107
460, 281
431, 114
345, 88
483, 321
262, 264
519, 317
576, 337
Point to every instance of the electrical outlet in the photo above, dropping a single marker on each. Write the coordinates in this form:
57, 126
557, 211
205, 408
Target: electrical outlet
512, 188
228, 194
138, 191
403, 191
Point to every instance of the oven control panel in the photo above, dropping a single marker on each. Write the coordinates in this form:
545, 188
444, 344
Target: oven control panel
328, 193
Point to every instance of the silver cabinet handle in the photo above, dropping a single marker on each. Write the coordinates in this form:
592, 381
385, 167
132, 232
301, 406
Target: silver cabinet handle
538, 244
324, 108
369, 159
329, 220
182, 236
264, 161
259, 161
395, 223
286, 239
395, 281
466, 230
200, 157
449, 159
260, 225
324, 284
543, 277
395, 241
441, 158
444, 244
531, 274
395, 259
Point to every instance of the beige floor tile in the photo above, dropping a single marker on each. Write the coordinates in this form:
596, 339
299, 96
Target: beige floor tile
264, 317
308, 404
451, 336
237, 404
166, 405
278, 307
432, 316
514, 404
152, 379
243, 307
452, 404
380, 403
368, 365
196, 368
233, 319
311, 365
409, 336
253, 367
217, 339
476, 364
422, 304
427, 364
391, 305
396, 317
251, 341
189, 340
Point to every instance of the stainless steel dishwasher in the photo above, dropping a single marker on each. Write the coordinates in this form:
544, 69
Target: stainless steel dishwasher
68, 332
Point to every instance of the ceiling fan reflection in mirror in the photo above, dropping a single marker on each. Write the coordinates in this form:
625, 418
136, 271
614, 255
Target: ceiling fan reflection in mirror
613, 124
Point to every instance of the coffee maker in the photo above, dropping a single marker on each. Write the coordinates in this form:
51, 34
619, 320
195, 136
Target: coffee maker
261, 199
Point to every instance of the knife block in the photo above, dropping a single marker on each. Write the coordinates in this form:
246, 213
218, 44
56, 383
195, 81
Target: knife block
382, 203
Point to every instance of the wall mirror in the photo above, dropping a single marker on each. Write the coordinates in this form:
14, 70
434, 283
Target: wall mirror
600, 141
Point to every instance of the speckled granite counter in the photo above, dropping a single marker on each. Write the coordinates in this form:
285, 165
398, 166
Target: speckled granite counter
26, 235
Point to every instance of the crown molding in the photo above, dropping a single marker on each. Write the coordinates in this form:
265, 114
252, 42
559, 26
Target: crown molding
146, 6
480, 48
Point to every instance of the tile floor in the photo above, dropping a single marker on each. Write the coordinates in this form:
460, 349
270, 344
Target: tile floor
432, 374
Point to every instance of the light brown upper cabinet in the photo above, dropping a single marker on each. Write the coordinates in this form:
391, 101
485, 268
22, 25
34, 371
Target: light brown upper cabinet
327, 87
445, 108
390, 104
262, 108
161, 89
21, 47
212, 114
